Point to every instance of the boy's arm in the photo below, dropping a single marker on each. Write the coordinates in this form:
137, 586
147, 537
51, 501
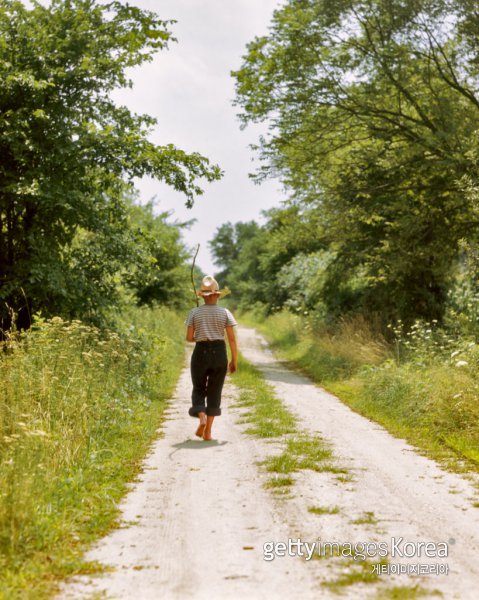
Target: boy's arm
234, 350
190, 334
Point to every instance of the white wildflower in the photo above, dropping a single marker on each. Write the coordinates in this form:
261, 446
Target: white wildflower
37, 433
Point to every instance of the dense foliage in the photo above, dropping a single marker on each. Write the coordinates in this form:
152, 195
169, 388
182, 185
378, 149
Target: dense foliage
68, 156
373, 114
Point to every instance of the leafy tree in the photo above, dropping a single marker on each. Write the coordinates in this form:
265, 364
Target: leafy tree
88, 280
253, 256
227, 244
68, 153
373, 113
160, 274
302, 281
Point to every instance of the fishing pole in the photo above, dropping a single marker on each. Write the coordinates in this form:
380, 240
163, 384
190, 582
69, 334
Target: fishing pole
193, 275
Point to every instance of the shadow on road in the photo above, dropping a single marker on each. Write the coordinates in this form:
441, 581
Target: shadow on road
280, 372
196, 445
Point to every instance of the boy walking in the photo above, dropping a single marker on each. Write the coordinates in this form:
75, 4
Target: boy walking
207, 325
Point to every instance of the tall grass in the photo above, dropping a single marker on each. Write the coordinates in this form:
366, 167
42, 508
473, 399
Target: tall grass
78, 407
439, 404
326, 354
424, 386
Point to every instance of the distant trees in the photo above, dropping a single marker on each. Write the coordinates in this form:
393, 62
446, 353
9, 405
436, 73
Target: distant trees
68, 155
373, 108
228, 244
252, 256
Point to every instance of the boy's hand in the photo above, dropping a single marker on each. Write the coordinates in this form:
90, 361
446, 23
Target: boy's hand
233, 366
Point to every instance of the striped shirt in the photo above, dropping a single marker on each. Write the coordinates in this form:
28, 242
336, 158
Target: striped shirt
209, 322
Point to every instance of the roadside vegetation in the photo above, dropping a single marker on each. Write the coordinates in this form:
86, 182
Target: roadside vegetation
422, 384
80, 407
89, 277
90, 347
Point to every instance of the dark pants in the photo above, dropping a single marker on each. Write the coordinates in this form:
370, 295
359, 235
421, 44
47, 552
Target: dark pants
209, 364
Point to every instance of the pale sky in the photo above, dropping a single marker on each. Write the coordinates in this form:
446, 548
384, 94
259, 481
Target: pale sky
188, 88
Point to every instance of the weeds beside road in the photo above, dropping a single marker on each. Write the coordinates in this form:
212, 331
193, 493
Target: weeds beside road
424, 387
78, 409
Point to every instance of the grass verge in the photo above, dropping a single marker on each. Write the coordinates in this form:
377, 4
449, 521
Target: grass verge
429, 401
266, 415
406, 592
367, 518
360, 571
324, 510
78, 409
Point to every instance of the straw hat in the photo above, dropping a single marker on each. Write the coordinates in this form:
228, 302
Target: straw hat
209, 287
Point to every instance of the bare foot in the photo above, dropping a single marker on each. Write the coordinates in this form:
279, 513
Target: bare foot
207, 435
201, 427
207, 432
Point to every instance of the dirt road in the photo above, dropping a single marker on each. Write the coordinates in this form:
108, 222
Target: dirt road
196, 522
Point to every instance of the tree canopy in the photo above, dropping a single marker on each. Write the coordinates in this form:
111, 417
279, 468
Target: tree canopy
373, 114
69, 154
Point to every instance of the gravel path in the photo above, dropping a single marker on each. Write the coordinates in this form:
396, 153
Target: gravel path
195, 523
